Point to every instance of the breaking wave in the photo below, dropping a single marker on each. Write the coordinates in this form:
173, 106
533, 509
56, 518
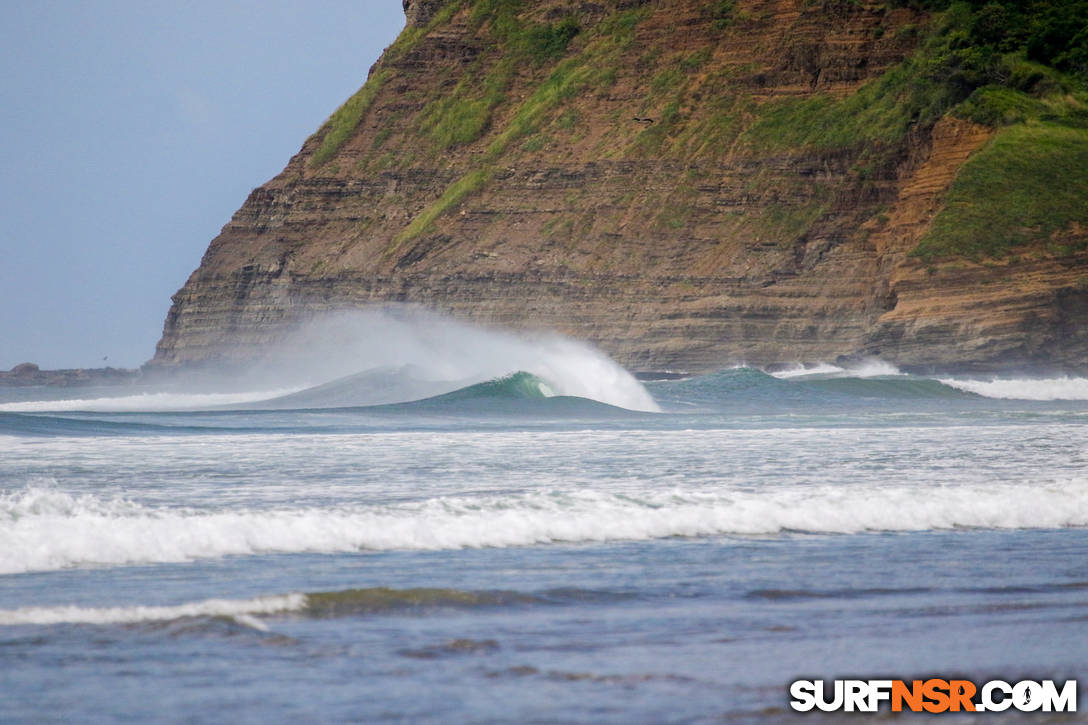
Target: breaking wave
431, 349
1058, 388
1064, 388
752, 386
344, 603
241, 610
864, 369
116, 531
874, 380
519, 393
334, 363
519, 385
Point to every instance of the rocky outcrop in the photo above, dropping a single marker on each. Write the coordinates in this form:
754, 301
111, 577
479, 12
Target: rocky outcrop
418, 13
620, 172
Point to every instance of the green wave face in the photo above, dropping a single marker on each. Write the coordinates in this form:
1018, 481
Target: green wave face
888, 387
751, 385
516, 386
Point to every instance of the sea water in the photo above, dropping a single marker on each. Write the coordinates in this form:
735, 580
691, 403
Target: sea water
502, 549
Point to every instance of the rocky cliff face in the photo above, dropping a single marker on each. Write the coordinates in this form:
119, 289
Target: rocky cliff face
686, 183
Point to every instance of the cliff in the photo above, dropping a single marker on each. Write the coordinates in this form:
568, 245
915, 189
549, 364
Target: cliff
685, 183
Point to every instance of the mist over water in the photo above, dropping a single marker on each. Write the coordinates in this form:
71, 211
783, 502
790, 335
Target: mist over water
375, 357
432, 348
400, 354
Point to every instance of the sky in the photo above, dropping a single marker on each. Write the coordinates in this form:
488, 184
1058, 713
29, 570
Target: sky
132, 130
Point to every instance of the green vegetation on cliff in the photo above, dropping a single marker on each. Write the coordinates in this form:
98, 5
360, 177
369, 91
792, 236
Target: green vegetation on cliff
958, 67
341, 125
1020, 67
464, 115
1023, 67
1029, 184
690, 182
1050, 32
453, 195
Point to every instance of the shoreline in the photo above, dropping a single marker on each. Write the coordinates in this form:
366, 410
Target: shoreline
27, 375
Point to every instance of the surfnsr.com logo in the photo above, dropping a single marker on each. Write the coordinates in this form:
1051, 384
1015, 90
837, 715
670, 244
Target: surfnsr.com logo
933, 695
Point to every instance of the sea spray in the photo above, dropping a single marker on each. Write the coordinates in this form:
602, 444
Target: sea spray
382, 356
438, 348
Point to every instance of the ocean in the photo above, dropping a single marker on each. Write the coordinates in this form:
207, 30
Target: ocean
545, 543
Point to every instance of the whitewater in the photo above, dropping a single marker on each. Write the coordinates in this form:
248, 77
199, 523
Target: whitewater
479, 527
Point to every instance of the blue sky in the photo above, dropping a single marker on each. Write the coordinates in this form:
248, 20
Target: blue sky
132, 130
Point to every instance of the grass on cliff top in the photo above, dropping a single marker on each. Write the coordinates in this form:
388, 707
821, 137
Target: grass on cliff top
1029, 183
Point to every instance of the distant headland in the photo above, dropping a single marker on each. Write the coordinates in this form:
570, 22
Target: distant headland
901, 180
29, 374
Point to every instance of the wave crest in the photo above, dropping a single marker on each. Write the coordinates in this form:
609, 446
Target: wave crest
105, 532
1063, 388
241, 610
331, 604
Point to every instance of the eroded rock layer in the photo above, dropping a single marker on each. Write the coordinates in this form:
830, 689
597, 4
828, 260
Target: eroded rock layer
676, 181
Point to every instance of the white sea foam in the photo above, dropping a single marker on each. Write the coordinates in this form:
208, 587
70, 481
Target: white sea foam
243, 611
870, 368
1064, 388
144, 402
797, 371
45, 530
